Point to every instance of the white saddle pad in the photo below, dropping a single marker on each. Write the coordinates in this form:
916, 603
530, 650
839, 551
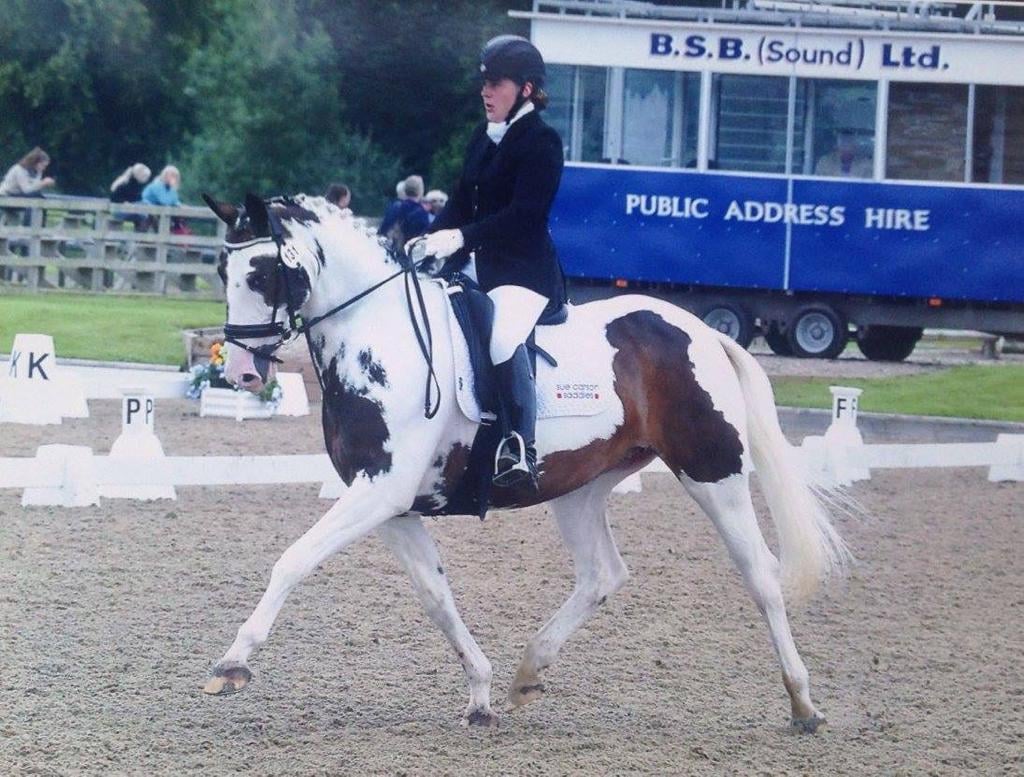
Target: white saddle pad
581, 384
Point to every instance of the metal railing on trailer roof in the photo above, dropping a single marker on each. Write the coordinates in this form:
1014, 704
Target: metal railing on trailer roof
993, 18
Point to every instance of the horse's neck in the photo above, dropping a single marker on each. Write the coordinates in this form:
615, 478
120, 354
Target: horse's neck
378, 309
342, 276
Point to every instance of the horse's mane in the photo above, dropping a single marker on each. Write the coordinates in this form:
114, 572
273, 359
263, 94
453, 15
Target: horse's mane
335, 229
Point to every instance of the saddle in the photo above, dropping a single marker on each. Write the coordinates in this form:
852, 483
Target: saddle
474, 312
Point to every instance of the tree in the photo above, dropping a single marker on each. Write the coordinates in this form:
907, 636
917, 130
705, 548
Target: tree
408, 72
83, 80
268, 113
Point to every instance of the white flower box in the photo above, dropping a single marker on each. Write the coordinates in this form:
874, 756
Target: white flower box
229, 403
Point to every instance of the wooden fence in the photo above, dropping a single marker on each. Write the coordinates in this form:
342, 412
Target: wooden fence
93, 245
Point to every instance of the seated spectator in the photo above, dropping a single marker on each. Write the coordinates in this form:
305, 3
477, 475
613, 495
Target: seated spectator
25, 178
164, 189
846, 159
407, 218
340, 195
435, 200
127, 187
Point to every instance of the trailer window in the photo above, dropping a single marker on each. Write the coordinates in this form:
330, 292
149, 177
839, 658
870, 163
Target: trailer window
751, 121
659, 117
927, 131
577, 109
998, 135
839, 135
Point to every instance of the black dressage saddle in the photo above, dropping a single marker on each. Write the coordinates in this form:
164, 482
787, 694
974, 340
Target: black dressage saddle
474, 311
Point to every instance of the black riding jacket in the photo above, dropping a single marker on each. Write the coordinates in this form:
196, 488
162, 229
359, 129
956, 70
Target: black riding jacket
502, 202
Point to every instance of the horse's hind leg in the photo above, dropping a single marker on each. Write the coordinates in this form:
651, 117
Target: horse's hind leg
600, 572
728, 505
415, 549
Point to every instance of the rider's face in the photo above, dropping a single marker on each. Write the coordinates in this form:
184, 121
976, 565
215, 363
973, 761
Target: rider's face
500, 96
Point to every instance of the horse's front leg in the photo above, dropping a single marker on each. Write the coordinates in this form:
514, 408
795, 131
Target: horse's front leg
409, 540
364, 507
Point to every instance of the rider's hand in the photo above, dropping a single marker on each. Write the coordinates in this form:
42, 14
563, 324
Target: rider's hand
444, 243
415, 244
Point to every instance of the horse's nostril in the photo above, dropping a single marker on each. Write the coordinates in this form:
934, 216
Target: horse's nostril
248, 377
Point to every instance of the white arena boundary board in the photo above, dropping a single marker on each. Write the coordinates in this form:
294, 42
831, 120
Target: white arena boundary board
71, 471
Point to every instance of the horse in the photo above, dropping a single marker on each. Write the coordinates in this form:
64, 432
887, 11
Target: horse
678, 391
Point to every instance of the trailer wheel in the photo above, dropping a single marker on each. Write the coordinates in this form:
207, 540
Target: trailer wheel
888, 343
817, 332
732, 320
777, 341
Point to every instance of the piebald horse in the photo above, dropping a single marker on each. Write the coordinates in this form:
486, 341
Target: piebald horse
678, 391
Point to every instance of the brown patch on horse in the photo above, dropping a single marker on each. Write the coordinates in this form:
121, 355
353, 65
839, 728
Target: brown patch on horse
452, 466
680, 419
268, 280
354, 429
666, 413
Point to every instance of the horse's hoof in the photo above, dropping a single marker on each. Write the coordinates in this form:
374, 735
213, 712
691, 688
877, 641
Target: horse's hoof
481, 718
808, 725
520, 695
228, 678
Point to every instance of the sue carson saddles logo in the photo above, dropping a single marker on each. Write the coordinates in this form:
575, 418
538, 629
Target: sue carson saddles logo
576, 391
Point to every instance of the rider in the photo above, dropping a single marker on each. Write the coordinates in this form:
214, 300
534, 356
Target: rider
498, 216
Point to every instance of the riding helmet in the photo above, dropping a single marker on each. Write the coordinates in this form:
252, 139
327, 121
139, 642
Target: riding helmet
513, 57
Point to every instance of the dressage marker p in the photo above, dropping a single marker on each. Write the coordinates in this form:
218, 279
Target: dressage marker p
400, 436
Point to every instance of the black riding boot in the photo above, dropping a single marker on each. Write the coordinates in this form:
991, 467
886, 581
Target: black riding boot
516, 459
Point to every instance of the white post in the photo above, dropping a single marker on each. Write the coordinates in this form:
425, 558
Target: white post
843, 440
1011, 446
138, 441
27, 394
77, 485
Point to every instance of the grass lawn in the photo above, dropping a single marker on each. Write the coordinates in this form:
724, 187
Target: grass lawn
105, 327
148, 329
993, 392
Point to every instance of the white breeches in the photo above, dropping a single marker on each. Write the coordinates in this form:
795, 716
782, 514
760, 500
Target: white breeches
516, 310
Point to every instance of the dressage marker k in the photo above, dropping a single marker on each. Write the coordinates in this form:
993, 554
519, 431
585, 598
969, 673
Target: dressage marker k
397, 433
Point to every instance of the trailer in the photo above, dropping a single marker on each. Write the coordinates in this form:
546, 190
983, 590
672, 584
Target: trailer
804, 170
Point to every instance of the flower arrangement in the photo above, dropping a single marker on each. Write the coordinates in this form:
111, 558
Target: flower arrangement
211, 375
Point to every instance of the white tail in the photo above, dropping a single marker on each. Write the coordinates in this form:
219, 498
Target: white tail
810, 549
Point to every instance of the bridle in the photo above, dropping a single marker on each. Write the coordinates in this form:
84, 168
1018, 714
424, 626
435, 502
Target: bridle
297, 325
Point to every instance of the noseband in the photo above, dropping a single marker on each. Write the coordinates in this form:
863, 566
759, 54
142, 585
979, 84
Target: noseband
297, 325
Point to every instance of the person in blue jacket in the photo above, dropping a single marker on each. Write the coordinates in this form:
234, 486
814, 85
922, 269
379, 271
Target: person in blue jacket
498, 216
163, 190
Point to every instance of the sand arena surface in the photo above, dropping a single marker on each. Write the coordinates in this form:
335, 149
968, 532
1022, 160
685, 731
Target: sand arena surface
111, 616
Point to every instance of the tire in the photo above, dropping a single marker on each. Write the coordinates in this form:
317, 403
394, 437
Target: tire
777, 341
888, 343
817, 332
732, 320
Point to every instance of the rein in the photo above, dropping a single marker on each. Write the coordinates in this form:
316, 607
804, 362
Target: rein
297, 325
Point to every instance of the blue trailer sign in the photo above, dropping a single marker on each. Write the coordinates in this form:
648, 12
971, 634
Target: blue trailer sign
761, 158
795, 235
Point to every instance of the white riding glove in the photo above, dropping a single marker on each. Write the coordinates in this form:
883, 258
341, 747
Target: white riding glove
444, 243
414, 247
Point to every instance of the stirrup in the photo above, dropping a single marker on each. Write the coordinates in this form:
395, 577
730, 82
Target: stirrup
517, 472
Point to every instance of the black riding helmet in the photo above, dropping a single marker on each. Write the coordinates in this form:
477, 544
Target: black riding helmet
513, 57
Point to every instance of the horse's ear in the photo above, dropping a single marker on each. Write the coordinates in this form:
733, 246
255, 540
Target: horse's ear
256, 209
225, 211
